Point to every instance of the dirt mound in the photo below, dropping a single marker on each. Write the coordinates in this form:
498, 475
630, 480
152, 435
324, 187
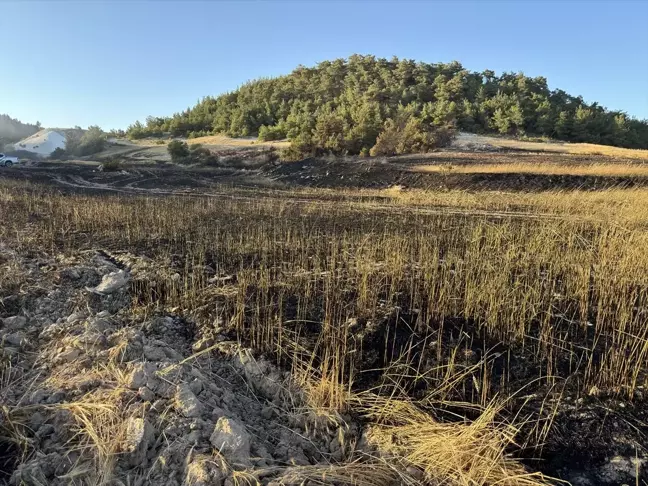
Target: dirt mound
95, 393
43, 143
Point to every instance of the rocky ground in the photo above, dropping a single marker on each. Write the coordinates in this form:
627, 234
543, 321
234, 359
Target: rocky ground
95, 392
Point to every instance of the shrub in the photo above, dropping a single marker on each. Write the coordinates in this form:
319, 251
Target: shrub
202, 155
58, 154
178, 150
443, 136
268, 134
388, 140
90, 142
111, 166
271, 155
300, 148
411, 135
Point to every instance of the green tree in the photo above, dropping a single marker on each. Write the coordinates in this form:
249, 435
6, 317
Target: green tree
91, 142
341, 106
563, 127
178, 150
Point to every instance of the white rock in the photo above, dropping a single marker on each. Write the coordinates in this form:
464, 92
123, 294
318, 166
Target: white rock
75, 317
137, 379
232, 440
203, 471
139, 434
69, 355
112, 282
186, 402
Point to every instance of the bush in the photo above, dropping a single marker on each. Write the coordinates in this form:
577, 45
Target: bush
300, 148
111, 166
92, 141
268, 134
202, 155
411, 135
444, 136
178, 150
58, 154
271, 156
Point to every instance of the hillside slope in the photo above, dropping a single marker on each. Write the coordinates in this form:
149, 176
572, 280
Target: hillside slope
12, 130
349, 105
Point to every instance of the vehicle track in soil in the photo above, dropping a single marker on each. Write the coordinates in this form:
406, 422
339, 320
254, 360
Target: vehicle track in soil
79, 182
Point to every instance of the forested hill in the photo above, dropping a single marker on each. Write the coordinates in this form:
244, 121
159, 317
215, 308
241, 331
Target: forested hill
12, 130
349, 105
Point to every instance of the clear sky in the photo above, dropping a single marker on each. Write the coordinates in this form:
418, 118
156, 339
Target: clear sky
109, 63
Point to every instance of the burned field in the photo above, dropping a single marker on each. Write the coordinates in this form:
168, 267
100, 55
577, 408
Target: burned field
321, 336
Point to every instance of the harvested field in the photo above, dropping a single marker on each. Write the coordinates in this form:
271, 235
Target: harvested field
604, 170
471, 140
191, 326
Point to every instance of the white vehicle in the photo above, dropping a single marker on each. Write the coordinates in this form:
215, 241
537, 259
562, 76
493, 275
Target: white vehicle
6, 161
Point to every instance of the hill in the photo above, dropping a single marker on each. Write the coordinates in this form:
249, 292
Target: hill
396, 106
12, 130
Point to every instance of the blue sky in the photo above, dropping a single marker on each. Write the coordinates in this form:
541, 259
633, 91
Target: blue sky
110, 63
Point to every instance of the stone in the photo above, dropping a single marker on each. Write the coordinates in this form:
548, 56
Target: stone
232, 440
153, 353
196, 386
69, 355
74, 317
16, 339
70, 273
56, 397
146, 394
186, 402
203, 471
112, 283
137, 379
100, 324
94, 339
15, 322
267, 413
39, 396
139, 435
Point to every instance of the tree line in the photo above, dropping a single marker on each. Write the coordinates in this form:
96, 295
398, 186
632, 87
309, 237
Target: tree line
364, 104
12, 130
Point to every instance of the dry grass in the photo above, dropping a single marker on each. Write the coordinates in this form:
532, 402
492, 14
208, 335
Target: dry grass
560, 147
221, 140
358, 473
540, 283
463, 454
603, 170
387, 283
618, 207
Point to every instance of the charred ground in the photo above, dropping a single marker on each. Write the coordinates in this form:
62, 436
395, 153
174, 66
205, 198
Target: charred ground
459, 294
